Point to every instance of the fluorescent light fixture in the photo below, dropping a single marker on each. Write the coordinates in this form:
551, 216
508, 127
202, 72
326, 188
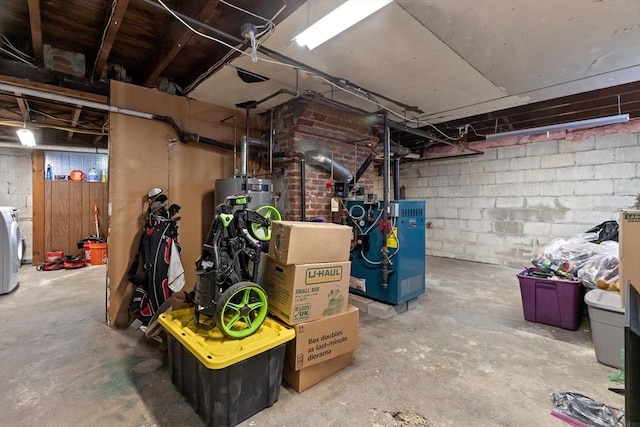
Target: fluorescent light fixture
26, 137
335, 22
581, 124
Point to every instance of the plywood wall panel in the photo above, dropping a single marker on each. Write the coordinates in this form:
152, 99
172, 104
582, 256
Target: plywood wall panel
47, 217
195, 167
38, 233
144, 154
75, 214
98, 197
85, 220
68, 214
59, 212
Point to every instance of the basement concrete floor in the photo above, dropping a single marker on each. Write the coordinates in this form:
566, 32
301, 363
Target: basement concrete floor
464, 357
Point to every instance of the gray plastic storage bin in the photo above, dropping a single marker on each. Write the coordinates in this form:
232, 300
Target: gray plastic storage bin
606, 315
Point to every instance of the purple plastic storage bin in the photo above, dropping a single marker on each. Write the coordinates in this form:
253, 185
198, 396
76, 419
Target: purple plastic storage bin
554, 302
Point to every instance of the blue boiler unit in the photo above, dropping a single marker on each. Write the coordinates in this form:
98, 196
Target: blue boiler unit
406, 244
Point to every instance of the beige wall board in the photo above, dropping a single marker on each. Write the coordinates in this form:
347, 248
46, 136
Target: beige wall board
138, 161
144, 154
528, 45
417, 68
192, 174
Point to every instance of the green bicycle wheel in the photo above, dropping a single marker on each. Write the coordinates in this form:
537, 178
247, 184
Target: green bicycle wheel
261, 232
241, 310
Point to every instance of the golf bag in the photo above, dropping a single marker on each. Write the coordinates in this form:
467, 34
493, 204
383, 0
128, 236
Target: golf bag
162, 272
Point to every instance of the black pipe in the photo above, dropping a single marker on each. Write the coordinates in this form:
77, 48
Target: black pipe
303, 201
285, 59
396, 178
398, 150
385, 202
419, 132
191, 137
288, 154
245, 150
364, 166
273, 95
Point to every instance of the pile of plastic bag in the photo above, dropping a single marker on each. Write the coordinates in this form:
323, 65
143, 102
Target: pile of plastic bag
580, 410
591, 257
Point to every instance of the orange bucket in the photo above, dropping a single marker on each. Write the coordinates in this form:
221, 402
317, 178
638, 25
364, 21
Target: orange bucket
98, 253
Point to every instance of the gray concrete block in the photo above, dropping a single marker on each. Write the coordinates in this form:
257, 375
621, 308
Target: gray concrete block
617, 140
510, 177
541, 148
630, 154
617, 171
545, 175
593, 187
509, 202
576, 173
512, 151
483, 178
575, 146
595, 157
627, 186
361, 302
412, 303
380, 310
400, 308
557, 160
523, 163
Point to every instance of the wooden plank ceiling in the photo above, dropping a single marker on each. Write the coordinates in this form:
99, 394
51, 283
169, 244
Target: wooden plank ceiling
128, 40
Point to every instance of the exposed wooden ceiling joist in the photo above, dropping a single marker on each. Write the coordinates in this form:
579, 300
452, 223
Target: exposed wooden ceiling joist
22, 104
112, 24
74, 121
178, 36
36, 30
76, 93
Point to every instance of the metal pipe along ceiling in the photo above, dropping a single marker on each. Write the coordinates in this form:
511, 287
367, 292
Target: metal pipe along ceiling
17, 124
71, 100
55, 148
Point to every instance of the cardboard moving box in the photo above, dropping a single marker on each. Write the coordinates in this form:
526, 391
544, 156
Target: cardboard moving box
302, 293
629, 250
307, 377
297, 242
323, 339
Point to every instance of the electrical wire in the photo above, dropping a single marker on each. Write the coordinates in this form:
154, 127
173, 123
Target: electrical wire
114, 3
13, 48
8, 52
60, 119
206, 36
475, 132
384, 107
245, 11
204, 75
366, 96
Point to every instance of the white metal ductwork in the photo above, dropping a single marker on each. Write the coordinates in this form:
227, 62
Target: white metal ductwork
325, 160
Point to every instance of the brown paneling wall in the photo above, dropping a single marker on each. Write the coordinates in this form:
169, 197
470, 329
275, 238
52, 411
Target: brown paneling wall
69, 213
37, 166
144, 154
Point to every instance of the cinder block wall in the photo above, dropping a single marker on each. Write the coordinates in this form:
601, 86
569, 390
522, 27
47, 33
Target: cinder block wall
499, 206
303, 125
16, 190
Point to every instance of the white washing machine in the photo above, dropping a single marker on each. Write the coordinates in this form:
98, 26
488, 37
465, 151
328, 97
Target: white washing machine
11, 246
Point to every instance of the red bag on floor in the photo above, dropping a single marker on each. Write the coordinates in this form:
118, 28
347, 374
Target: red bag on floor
74, 262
